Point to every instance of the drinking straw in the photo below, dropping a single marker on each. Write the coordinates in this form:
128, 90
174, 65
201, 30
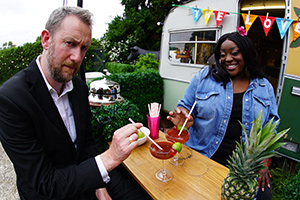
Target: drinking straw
154, 109
147, 136
187, 118
159, 107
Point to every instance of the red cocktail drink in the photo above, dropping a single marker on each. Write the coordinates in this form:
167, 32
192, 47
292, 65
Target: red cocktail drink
162, 174
173, 136
161, 154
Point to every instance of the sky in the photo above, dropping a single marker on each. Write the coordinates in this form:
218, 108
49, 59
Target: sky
22, 21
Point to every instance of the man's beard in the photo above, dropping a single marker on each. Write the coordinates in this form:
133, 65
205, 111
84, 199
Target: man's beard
55, 70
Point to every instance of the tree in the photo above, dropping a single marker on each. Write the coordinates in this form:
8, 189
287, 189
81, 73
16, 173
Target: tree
7, 45
137, 27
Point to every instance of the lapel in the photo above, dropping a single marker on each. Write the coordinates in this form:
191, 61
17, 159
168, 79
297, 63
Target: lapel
74, 96
42, 96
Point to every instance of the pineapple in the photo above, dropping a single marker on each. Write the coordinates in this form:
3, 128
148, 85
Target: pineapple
247, 158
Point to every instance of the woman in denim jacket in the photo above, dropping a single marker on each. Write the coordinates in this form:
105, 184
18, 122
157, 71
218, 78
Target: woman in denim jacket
231, 90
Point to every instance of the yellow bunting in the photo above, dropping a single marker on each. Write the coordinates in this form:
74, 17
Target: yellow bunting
296, 27
207, 13
248, 20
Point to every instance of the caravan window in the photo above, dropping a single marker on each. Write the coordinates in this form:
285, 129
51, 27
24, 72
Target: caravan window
192, 47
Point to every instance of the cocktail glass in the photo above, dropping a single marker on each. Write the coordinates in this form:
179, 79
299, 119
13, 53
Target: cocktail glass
163, 174
172, 135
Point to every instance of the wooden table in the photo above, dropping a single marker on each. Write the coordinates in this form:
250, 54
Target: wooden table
198, 177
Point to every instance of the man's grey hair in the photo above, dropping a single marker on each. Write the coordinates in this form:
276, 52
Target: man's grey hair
59, 14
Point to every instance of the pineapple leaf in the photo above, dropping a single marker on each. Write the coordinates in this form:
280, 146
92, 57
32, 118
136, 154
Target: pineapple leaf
278, 136
237, 155
265, 143
245, 132
252, 135
258, 120
261, 143
275, 146
266, 129
273, 127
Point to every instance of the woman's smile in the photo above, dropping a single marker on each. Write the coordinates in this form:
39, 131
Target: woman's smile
232, 59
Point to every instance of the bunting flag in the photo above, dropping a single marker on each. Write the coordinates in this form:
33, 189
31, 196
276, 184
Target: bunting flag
296, 27
267, 23
65, 2
196, 14
283, 25
248, 20
219, 15
207, 13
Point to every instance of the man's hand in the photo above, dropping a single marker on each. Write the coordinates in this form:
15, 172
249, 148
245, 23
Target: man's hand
102, 194
123, 142
179, 116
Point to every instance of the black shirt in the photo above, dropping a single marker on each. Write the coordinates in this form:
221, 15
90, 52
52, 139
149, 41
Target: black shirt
233, 132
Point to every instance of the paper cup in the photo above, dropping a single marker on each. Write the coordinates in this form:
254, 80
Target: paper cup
153, 125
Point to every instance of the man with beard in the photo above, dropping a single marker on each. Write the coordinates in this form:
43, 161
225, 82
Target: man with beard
45, 127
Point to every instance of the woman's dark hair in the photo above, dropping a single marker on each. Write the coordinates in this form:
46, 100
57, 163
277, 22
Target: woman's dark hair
248, 51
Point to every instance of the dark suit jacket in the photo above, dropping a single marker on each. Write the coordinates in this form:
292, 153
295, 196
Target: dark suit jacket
33, 134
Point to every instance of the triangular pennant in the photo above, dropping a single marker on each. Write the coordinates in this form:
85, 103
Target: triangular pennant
248, 20
267, 23
296, 27
207, 13
219, 15
196, 14
283, 25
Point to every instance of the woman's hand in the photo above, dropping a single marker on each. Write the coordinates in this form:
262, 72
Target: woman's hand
263, 180
179, 116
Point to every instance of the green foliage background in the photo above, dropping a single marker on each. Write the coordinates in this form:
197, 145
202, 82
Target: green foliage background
144, 62
147, 61
115, 68
141, 88
285, 183
291, 189
14, 59
136, 27
106, 119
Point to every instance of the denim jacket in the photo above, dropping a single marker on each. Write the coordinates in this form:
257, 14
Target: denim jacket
213, 109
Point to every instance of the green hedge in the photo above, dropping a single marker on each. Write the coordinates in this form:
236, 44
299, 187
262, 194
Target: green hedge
141, 87
14, 59
144, 62
107, 119
147, 61
116, 68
